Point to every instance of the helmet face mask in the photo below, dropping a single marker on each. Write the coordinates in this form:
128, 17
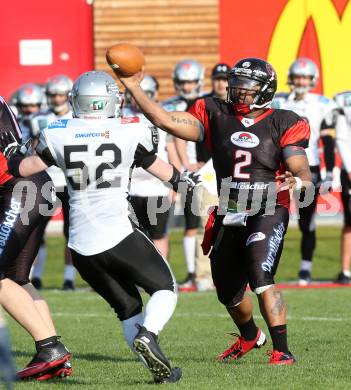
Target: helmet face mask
188, 78
252, 85
303, 75
95, 95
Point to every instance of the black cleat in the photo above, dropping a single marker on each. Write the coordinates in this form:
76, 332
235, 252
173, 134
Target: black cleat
68, 285
37, 283
304, 277
343, 279
44, 360
146, 345
174, 377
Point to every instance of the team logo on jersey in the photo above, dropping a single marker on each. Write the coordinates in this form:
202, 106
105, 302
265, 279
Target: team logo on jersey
62, 123
259, 236
105, 134
8, 223
245, 139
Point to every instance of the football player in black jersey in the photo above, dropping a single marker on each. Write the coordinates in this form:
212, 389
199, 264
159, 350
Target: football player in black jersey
257, 151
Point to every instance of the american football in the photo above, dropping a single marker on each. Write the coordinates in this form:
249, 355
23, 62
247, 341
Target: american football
126, 58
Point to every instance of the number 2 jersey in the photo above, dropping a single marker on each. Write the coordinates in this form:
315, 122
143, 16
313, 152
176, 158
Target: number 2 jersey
96, 156
248, 153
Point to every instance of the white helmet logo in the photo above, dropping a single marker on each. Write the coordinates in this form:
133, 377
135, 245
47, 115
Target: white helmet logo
246, 64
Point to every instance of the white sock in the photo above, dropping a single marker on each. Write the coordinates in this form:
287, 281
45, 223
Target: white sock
347, 273
189, 244
129, 329
159, 310
38, 267
306, 265
69, 273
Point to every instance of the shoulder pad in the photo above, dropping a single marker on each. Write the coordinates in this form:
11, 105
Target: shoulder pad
130, 119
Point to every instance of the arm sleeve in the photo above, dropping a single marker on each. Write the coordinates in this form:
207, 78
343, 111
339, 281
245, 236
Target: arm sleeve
145, 153
198, 110
43, 150
343, 141
296, 135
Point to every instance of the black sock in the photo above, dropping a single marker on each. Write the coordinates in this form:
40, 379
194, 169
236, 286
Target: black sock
45, 342
279, 336
248, 330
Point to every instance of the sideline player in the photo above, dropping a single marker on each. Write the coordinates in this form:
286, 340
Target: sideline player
343, 141
21, 199
57, 90
96, 152
149, 197
320, 113
252, 146
188, 77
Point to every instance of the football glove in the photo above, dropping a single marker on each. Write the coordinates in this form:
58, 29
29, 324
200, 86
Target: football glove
9, 145
191, 178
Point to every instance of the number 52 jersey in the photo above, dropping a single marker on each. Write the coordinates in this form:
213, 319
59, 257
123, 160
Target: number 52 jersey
96, 156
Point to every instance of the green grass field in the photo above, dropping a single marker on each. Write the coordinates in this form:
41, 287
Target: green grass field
319, 322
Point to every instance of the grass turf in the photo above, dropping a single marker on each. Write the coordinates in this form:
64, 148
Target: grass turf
318, 321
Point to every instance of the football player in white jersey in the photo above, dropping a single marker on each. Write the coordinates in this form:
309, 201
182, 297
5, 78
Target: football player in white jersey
57, 90
149, 197
96, 152
320, 113
188, 77
343, 141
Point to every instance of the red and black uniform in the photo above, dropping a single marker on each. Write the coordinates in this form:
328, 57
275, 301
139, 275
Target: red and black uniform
247, 156
24, 210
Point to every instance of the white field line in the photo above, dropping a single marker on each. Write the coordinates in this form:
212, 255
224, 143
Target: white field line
202, 315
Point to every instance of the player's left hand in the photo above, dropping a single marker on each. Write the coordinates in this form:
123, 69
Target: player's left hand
9, 145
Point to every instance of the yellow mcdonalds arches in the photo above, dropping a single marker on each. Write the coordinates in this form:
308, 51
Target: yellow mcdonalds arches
333, 34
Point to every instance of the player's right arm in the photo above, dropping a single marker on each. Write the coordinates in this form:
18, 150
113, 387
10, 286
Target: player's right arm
180, 124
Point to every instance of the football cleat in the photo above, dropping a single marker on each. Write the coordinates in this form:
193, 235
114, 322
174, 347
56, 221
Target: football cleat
68, 285
61, 371
304, 277
174, 377
242, 346
281, 358
45, 359
343, 279
188, 286
146, 345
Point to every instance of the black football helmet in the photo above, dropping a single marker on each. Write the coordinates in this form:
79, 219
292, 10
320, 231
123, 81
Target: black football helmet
253, 75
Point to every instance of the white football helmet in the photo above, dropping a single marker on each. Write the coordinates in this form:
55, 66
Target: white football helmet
188, 70
95, 94
58, 85
303, 67
149, 85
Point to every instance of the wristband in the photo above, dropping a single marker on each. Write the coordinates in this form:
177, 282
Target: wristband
298, 184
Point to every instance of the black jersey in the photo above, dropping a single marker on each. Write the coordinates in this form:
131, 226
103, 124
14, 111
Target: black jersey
8, 123
247, 151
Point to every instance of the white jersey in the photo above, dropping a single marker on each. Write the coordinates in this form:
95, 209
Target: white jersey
318, 110
343, 128
56, 173
142, 182
96, 156
176, 103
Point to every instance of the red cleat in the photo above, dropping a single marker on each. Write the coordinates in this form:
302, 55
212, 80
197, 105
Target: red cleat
61, 371
242, 346
44, 360
281, 358
188, 286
